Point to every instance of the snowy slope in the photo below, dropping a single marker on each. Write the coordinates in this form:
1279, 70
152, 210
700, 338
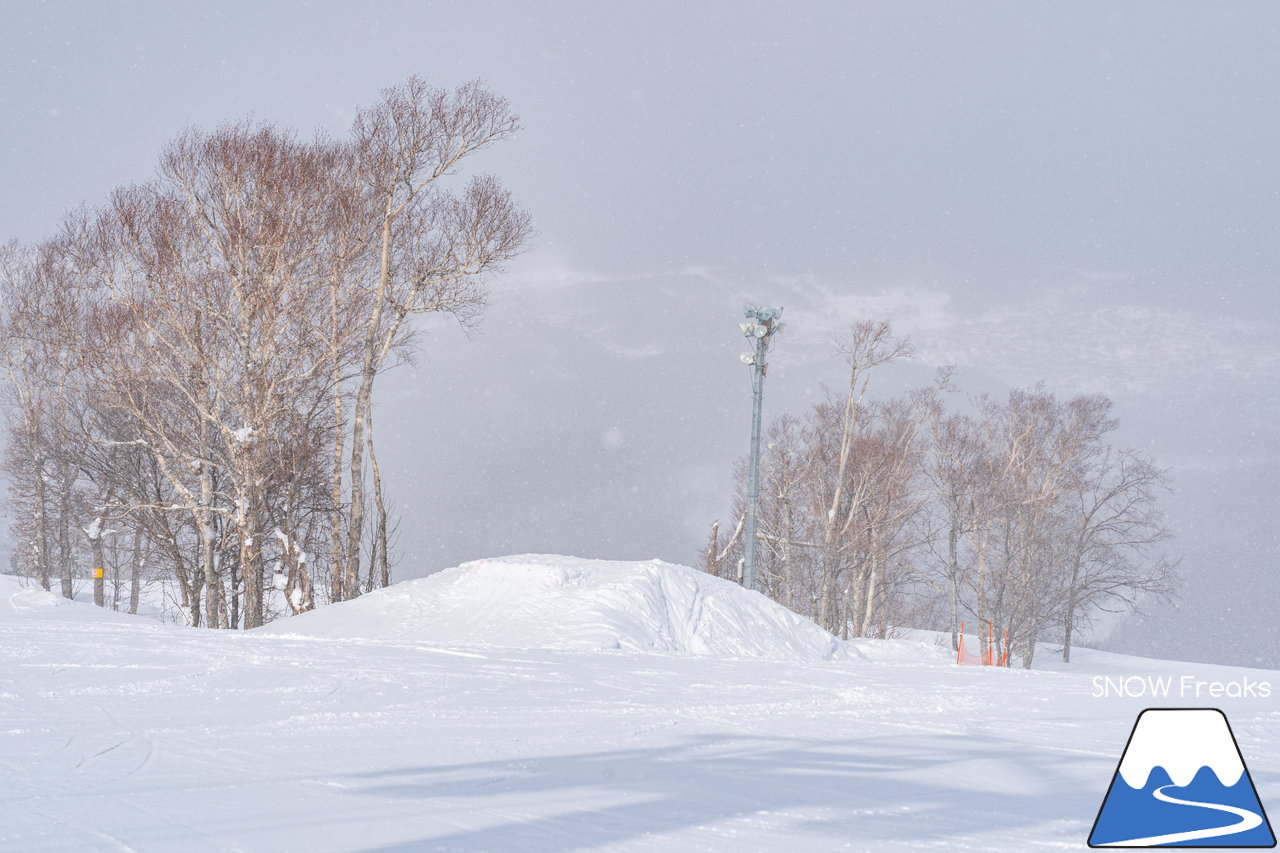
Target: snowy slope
541, 601
127, 735
19, 600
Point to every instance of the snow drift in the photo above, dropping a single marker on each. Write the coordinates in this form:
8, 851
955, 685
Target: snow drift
554, 602
20, 599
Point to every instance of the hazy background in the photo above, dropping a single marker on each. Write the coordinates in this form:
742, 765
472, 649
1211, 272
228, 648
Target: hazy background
1083, 193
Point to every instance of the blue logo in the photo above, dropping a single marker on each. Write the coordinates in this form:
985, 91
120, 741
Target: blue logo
1181, 782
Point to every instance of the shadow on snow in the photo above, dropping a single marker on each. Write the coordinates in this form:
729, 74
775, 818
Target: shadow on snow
903, 787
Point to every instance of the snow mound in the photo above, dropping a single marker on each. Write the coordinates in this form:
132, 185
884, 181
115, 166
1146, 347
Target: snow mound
20, 599
554, 602
904, 651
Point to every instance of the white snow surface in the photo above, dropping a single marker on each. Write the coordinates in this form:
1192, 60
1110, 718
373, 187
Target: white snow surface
21, 601
544, 601
124, 734
1181, 741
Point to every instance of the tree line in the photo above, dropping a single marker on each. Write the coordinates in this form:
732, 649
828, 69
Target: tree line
191, 365
879, 513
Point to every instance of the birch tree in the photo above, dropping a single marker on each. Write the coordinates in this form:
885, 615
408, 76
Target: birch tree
956, 471
41, 366
434, 244
841, 495
876, 511
215, 335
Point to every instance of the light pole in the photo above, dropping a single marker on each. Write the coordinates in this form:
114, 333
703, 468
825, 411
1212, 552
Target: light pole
762, 324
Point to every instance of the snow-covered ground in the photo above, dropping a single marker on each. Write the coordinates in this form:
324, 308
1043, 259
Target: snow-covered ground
547, 704
544, 601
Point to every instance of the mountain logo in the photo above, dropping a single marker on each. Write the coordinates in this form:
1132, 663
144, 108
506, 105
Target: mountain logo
1181, 782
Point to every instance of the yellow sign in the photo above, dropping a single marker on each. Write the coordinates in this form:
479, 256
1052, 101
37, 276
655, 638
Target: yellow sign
97, 573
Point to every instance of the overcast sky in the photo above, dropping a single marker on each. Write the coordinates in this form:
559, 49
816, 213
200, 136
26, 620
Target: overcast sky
1084, 193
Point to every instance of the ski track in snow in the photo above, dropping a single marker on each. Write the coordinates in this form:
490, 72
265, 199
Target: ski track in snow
129, 736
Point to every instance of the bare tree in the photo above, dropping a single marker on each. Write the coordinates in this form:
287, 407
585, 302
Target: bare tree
892, 462
782, 525
841, 496
955, 471
1026, 516
433, 245
192, 363
1111, 527
41, 369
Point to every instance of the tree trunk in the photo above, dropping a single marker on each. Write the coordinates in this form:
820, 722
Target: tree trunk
869, 599
954, 569
788, 585
827, 612
355, 514
64, 530
364, 408
709, 564
853, 599
135, 572
373, 562
337, 569
42, 532
215, 600
298, 588
382, 563
189, 583
980, 563
215, 606
1071, 611
99, 565
237, 591
336, 552
1032, 638
250, 560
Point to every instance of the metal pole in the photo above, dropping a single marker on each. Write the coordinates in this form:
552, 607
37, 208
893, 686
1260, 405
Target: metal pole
762, 324
753, 470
